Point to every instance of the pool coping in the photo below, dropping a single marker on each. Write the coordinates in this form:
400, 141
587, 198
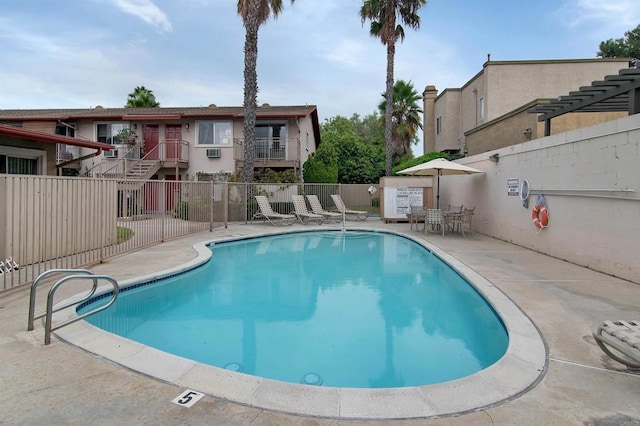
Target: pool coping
520, 369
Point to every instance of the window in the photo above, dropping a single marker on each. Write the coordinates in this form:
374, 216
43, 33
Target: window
438, 125
271, 141
481, 108
214, 133
66, 130
106, 132
20, 161
66, 152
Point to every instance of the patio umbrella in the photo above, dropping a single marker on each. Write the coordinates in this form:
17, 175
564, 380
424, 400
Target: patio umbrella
438, 167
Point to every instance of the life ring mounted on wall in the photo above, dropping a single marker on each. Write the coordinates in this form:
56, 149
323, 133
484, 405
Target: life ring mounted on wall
540, 216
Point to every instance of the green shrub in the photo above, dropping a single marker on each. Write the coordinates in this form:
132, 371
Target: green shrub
123, 234
181, 210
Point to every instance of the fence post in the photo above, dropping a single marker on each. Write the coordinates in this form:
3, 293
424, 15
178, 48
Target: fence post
162, 207
246, 200
225, 203
211, 188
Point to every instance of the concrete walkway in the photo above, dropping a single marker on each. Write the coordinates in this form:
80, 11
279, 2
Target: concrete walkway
62, 384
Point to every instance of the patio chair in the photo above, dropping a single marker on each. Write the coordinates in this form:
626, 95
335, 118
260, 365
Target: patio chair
453, 217
300, 208
416, 215
624, 338
467, 216
266, 212
342, 208
435, 219
317, 208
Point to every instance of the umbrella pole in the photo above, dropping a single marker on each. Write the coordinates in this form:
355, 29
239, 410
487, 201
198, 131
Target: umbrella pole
438, 192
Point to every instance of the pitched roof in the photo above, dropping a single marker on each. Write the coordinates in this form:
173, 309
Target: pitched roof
212, 111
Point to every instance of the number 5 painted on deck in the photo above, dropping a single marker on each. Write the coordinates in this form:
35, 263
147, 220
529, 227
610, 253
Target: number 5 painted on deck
188, 398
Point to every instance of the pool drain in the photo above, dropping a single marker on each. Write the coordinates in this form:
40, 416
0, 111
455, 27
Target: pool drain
234, 366
311, 379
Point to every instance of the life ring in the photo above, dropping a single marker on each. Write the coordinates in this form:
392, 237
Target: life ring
540, 216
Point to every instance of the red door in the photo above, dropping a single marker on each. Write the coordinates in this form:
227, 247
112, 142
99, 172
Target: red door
151, 148
151, 191
154, 190
173, 136
172, 194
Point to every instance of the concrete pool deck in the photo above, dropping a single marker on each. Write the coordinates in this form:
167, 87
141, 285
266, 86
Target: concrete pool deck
62, 384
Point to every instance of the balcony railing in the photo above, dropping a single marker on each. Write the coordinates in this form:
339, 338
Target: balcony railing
126, 156
270, 149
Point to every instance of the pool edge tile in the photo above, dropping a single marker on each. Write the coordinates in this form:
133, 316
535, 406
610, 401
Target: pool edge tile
393, 403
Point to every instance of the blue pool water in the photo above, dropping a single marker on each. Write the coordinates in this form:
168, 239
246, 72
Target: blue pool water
359, 309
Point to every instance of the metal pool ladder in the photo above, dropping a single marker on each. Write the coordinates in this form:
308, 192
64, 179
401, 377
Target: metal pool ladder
76, 275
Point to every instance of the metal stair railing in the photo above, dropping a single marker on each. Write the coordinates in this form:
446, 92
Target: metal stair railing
77, 274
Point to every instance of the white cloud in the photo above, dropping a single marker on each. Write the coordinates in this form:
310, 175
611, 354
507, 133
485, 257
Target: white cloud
614, 15
147, 11
347, 53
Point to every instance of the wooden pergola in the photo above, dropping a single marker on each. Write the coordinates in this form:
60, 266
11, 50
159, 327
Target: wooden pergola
615, 93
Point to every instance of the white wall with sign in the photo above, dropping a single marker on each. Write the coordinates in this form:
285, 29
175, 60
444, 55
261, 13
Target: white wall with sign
398, 193
397, 201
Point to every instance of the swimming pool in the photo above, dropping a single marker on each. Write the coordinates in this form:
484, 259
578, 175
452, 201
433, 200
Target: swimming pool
355, 309
520, 369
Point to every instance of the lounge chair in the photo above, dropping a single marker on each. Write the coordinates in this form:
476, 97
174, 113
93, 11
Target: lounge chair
317, 208
300, 207
624, 338
342, 208
266, 212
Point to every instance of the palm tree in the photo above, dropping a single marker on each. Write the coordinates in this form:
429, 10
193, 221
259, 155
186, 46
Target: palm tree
405, 116
141, 97
254, 13
384, 15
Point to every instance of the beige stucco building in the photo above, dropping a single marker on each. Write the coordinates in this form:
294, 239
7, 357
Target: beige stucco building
177, 143
490, 110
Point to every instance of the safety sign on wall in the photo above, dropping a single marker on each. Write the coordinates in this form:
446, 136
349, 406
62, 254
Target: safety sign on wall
513, 187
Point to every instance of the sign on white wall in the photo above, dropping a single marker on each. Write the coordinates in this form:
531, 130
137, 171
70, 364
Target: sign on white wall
513, 187
397, 201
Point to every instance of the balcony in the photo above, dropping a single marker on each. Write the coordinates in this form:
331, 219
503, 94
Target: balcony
271, 152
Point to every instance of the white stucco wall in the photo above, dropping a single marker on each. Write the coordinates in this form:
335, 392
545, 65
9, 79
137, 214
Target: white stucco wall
597, 229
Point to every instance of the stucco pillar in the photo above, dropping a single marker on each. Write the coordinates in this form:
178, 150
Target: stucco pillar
429, 118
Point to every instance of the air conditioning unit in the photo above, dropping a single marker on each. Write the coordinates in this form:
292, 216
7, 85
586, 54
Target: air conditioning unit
213, 153
111, 153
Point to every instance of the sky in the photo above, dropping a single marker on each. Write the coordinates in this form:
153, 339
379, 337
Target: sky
84, 53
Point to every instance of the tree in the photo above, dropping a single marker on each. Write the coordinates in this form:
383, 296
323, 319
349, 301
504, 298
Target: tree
370, 129
141, 97
322, 165
383, 15
628, 47
254, 13
422, 159
359, 159
405, 116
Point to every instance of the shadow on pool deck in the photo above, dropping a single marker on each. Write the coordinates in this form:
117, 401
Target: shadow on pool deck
62, 384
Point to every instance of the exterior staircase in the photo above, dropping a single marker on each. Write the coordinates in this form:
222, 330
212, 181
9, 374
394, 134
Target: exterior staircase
142, 170
135, 176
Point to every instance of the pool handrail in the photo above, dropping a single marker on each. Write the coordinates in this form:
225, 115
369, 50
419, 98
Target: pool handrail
78, 274
34, 286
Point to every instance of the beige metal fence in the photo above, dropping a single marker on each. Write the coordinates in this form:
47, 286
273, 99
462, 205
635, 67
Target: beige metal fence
63, 222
